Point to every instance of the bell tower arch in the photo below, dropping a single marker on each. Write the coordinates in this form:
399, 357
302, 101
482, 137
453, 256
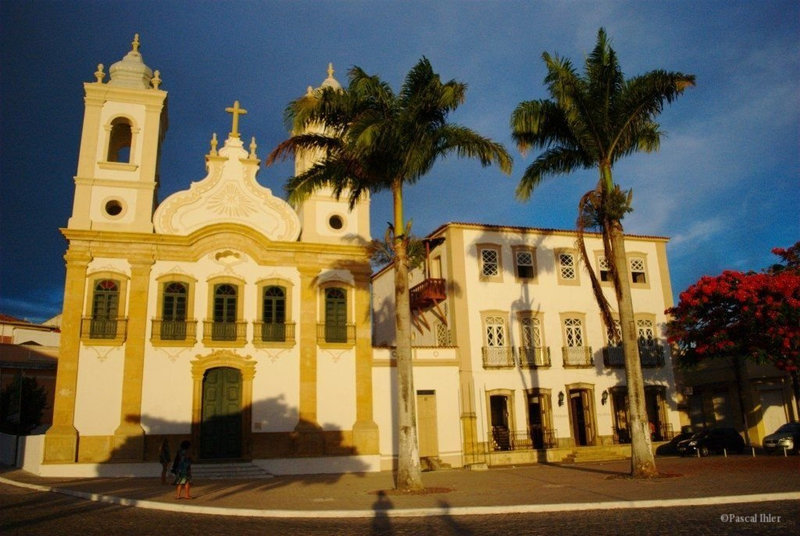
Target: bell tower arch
124, 123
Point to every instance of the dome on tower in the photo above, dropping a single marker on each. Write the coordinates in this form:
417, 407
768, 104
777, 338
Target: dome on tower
131, 71
330, 82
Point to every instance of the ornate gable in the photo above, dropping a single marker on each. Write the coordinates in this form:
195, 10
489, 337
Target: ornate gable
228, 194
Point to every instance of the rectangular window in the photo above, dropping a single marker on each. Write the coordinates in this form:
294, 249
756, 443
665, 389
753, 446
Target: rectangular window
105, 304
605, 269
567, 266
490, 263
335, 315
638, 270
274, 326
525, 264
173, 312
224, 326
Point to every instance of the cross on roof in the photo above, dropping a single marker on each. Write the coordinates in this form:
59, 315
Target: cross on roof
236, 111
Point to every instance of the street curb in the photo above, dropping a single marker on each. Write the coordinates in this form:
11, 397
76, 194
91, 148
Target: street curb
413, 512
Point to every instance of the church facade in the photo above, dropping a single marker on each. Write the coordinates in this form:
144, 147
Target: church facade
223, 315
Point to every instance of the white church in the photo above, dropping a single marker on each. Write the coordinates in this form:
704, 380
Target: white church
257, 330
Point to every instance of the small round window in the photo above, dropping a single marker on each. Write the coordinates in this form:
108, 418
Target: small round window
336, 222
113, 208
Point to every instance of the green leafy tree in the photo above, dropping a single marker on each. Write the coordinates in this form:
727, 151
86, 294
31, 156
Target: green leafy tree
371, 139
22, 404
742, 316
591, 121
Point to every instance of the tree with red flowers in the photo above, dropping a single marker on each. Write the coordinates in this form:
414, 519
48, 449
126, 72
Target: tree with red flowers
753, 315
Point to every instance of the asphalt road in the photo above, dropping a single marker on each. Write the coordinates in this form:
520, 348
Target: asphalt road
27, 512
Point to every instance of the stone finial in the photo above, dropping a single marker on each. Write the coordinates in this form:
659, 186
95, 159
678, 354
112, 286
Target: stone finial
135, 43
330, 70
309, 91
253, 148
99, 74
214, 142
156, 80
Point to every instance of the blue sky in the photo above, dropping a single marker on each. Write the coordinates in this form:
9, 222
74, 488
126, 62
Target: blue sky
725, 185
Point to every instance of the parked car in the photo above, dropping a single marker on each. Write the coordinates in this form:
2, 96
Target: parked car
671, 448
712, 440
786, 437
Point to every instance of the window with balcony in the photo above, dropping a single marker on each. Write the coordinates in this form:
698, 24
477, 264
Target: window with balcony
335, 315
173, 311
532, 352
575, 351
224, 326
273, 328
105, 309
496, 351
651, 353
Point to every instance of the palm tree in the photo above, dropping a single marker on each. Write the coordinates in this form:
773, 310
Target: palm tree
373, 140
591, 121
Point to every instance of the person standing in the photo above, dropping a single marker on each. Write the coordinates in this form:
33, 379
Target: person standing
164, 458
183, 470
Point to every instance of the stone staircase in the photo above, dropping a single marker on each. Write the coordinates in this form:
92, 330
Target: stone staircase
236, 471
597, 454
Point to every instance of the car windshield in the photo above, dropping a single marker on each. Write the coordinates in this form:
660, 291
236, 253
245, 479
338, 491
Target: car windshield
788, 427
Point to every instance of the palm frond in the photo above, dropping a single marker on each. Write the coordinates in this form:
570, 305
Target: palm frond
554, 161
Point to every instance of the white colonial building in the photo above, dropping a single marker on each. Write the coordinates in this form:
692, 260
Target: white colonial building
535, 368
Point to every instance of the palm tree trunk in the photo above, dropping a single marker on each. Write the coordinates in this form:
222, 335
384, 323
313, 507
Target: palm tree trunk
409, 472
643, 462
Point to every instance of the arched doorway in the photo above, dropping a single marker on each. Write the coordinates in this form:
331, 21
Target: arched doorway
222, 405
221, 421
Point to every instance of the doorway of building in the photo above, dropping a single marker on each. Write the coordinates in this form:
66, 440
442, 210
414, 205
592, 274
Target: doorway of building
221, 424
539, 420
581, 420
501, 436
653, 400
427, 426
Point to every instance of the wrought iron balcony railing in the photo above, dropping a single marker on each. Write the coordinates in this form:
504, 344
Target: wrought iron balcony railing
533, 356
174, 330
498, 356
539, 437
577, 356
103, 328
224, 331
649, 355
336, 333
274, 331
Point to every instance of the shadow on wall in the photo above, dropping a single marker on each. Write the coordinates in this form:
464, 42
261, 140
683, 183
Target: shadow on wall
222, 437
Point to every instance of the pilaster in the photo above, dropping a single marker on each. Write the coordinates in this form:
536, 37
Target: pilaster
61, 440
365, 431
307, 412
129, 436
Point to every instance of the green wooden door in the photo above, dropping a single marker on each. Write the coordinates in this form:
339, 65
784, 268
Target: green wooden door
221, 427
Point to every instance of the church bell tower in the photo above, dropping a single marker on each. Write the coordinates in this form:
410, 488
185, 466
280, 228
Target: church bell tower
324, 218
124, 123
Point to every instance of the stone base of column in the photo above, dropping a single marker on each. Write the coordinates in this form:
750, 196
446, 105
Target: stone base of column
128, 444
308, 439
60, 445
366, 437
